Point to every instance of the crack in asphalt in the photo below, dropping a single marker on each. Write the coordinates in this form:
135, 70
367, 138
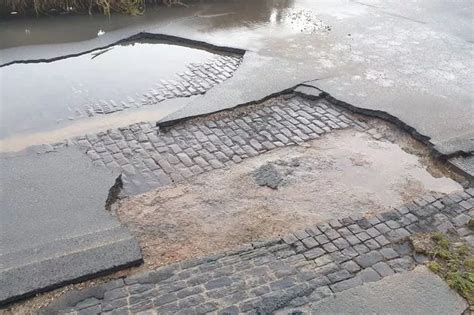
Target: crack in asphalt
191, 43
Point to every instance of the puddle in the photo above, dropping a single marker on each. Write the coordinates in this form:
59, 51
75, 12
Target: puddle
341, 174
49, 95
274, 15
286, 15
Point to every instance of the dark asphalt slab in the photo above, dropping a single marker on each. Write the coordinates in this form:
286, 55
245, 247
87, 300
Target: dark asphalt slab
54, 226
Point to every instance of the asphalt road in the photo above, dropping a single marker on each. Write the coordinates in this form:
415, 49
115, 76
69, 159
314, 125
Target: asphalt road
53, 224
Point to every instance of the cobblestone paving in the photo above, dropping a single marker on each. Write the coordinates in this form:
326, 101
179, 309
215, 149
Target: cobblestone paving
297, 269
150, 157
199, 78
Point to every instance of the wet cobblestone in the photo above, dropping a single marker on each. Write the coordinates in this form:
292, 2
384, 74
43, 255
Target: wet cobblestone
149, 156
283, 273
198, 79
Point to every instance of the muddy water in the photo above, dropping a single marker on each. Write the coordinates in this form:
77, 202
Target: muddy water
339, 175
46, 95
231, 15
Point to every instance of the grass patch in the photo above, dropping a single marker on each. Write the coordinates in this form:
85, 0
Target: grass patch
451, 259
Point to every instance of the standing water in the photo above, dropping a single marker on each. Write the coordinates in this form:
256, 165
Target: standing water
40, 95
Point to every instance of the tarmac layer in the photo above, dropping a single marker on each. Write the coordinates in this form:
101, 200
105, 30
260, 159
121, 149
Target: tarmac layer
54, 226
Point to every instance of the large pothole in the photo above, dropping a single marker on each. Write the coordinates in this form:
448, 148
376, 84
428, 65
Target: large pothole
256, 172
344, 173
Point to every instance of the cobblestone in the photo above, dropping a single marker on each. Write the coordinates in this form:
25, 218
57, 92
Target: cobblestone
198, 79
383, 269
150, 156
369, 275
263, 278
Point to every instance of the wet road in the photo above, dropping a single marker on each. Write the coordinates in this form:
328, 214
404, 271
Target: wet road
413, 61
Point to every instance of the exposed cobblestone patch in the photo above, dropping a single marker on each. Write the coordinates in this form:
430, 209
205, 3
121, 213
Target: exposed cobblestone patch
151, 157
300, 268
197, 80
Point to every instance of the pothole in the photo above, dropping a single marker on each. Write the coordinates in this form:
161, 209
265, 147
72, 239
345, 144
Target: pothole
256, 172
57, 92
358, 167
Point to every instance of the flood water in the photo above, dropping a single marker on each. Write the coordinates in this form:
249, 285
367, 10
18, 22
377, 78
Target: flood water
42, 95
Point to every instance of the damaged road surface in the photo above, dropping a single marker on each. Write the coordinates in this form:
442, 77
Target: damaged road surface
410, 60
207, 196
218, 147
54, 228
268, 184
210, 177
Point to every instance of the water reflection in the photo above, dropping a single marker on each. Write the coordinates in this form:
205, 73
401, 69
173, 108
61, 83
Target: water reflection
17, 31
233, 14
274, 16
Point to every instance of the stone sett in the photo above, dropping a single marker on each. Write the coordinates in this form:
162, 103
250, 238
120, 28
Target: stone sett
192, 147
261, 278
197, 80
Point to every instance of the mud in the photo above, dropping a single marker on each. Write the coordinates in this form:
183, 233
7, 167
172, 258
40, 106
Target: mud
344, 173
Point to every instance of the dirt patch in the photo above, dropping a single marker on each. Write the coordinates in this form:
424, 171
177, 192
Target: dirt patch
341, 174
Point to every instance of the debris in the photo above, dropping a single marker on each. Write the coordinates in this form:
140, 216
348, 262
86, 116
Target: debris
267, 175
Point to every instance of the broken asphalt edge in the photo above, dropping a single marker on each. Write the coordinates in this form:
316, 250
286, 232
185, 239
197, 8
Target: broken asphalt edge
434, 150
312, 93
31, 271
130, 256
140, 36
